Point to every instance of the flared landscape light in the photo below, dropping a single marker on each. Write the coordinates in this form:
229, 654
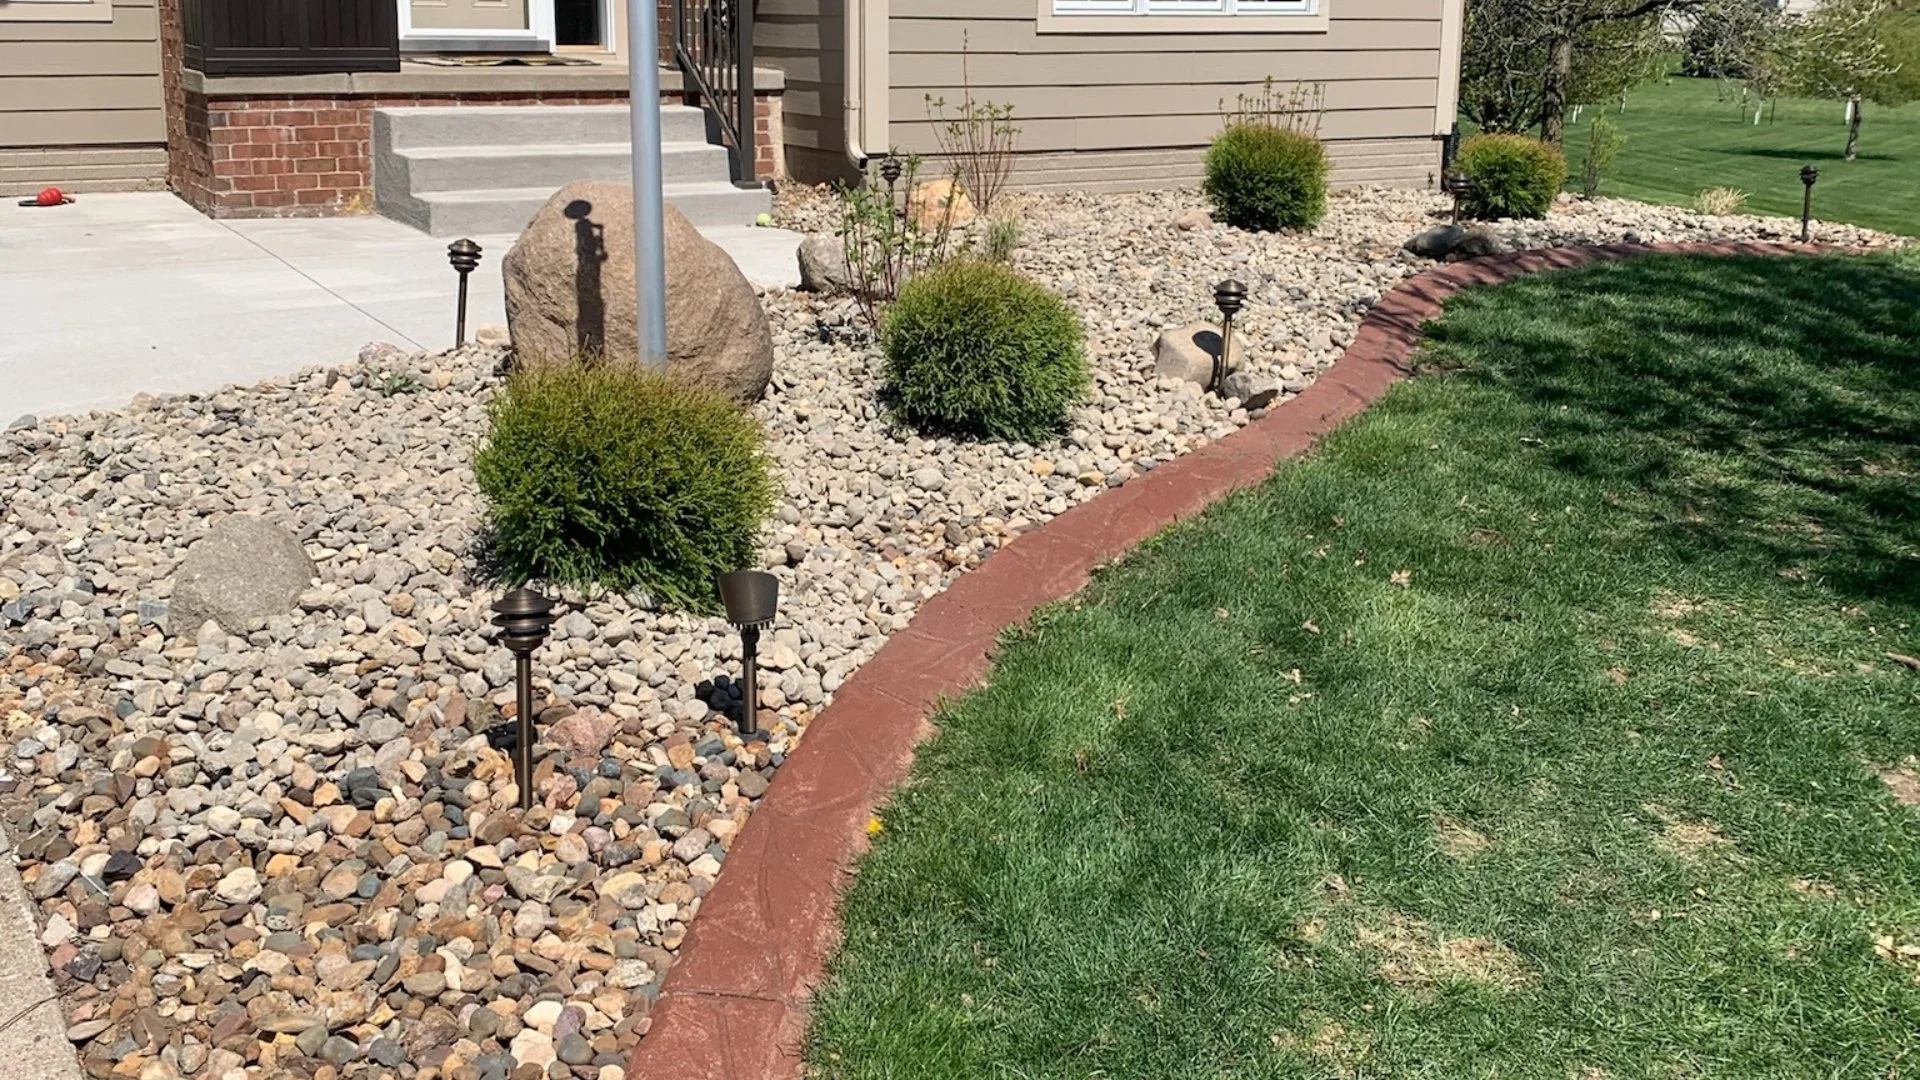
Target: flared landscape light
1809, 176
524, 617
890, 172
1230, 297
1459, 185
751, 598
464, 254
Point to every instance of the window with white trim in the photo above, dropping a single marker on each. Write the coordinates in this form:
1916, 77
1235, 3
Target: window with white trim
1186, 7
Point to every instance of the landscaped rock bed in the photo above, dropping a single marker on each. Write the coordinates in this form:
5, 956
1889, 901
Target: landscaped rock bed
287, 851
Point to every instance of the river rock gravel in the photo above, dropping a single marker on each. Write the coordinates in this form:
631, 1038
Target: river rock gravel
289, 851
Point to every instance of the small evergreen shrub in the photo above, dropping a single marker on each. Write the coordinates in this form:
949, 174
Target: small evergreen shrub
613, 476
975, 349
1263, 177
1512, 176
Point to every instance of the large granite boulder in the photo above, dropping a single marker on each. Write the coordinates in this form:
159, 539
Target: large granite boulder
241, 573
570, 293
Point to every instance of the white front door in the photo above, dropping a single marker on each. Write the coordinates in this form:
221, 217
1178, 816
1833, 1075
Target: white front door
476, 25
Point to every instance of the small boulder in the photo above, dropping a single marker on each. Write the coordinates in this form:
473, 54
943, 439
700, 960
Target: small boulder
1193, 220
934, 201
823, 265
1254, 391
1479, 241
243, 571
1188, 353
570, 293
494, 336
1437, 242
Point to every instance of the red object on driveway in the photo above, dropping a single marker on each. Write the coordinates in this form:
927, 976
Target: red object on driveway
52, 196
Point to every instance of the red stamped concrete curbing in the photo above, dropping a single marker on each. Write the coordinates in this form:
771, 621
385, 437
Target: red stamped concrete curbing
734, 1005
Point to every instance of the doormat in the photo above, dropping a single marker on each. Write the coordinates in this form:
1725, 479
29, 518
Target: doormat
496, 60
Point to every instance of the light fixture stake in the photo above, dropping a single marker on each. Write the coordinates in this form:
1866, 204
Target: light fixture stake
1808, 177
1230, 296
524, 617
752, 598
464, 254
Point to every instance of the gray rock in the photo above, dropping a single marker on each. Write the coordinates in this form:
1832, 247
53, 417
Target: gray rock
1188, 353
1479, 241
244, 571
25, 423
1437, 242
823, 265
1193, 220
1254, 391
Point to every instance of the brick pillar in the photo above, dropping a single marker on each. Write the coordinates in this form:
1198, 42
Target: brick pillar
666, 32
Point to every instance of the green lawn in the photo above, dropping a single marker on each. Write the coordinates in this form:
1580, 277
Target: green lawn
1687, 134
1534, 727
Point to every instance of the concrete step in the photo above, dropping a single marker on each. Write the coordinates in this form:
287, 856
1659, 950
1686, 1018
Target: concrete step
455, 168
507, 210
409, 128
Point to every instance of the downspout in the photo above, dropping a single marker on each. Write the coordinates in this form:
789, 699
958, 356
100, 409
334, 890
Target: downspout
866, 65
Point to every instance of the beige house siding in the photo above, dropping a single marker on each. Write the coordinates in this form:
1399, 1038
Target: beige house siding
805, 40
1119, 110
80, 101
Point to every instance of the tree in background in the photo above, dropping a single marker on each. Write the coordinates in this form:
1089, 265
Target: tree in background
1855, 51
1528, 62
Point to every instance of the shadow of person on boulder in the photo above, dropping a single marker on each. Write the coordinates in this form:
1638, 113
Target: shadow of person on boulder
590, 254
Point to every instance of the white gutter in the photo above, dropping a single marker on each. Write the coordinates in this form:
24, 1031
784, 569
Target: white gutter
866, 60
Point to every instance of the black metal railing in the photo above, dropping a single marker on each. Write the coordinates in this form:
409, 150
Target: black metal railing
290, 37
713, 43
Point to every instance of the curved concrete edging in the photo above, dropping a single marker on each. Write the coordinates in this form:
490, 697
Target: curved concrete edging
734, 1005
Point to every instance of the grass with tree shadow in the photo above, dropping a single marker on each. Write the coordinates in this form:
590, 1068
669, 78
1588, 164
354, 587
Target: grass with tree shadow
1548, 721
1684, 135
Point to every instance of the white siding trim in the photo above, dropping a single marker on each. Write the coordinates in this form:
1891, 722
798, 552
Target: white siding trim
1183, 16
56, 11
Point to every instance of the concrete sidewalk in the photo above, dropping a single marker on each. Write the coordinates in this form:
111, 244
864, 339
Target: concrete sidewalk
116, 295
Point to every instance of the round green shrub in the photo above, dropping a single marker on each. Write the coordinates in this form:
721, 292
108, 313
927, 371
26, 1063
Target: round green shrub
1266, 178
975, 349
612, 476
1512, 176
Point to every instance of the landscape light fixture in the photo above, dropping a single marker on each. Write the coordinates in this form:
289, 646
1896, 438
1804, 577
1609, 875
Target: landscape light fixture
1808, 177
1459, 186
1229, 296
751, 598
524, 617
464, 254
890, 172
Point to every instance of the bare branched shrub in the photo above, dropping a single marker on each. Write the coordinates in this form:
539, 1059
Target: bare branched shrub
1300, 109
979, 137
885, 244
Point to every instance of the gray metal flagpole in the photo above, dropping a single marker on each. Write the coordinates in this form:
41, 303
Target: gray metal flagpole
649, 203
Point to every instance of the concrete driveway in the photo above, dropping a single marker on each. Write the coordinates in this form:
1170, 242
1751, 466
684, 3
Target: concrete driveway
116, 295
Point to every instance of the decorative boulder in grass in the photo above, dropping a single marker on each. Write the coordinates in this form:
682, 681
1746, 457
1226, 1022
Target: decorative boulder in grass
244, 571
570, 293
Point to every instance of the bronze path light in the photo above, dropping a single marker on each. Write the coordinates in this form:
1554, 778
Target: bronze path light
890, 172
523, 616
751, 598
1459, 185
1229, 296
465, 256
1808, 177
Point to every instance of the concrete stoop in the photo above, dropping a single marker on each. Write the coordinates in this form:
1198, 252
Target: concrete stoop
476, 170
